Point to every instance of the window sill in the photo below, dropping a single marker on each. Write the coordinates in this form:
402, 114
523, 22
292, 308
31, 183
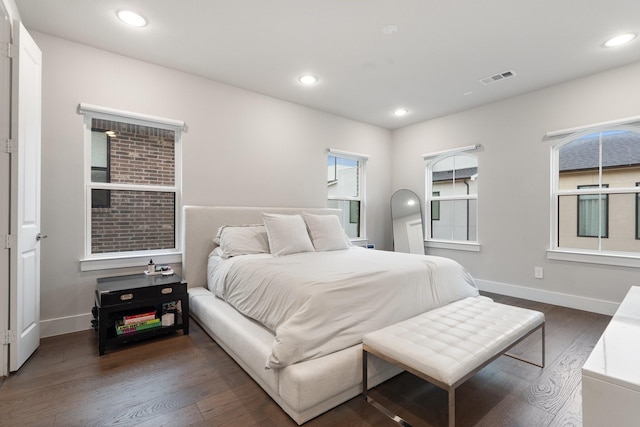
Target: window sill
458, 246
621, 259
125, 261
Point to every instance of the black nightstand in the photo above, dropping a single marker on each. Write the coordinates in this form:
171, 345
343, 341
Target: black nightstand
121, 297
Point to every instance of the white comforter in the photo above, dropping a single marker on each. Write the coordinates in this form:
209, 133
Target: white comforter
320, 302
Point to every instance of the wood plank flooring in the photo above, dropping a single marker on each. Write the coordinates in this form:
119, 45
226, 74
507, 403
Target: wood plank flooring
189, 380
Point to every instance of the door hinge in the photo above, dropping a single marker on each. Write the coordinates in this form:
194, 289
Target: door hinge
9, 337
8, 50
9, 146
10, 241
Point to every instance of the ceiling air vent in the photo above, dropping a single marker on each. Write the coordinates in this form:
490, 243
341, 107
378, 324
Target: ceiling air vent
497, 77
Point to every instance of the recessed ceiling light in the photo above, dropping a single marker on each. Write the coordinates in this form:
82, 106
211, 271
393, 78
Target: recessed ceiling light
401, 112
308, 79
132, 18
619, 40
389, 29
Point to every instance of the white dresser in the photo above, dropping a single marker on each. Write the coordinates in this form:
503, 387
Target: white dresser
611, 374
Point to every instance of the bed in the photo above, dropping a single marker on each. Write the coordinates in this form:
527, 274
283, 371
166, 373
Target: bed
308, 364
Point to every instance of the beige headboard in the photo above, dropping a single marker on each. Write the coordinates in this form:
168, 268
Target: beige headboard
201, 224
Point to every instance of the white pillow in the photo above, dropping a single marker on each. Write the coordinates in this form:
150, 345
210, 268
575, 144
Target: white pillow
287, 234
216, 252
243, 240
216, 239
326, 232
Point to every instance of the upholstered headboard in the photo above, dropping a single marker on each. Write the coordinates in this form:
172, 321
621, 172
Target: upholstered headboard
202, 222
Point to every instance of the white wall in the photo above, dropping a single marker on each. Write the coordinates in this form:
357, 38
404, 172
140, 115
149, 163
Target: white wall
241, 149
514, 199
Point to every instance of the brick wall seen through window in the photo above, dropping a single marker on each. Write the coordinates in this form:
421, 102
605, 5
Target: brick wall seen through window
136, 219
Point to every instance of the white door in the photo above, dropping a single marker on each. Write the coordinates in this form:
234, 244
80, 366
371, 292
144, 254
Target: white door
5, 133
24, 281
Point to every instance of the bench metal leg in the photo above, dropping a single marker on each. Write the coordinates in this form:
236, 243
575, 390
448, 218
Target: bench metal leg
365, 355
543, 345
452, 407
373, 403
539, 365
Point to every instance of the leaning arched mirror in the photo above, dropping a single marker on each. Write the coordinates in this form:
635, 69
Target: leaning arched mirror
406, 213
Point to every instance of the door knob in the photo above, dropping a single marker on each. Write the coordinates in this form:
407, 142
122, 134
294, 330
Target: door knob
41, 236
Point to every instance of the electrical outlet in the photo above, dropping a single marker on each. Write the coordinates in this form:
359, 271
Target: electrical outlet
538, 272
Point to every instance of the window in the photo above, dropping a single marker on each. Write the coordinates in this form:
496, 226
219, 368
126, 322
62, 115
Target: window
452, 197
345, 190
435, 207
595, 191
637, 213
591, 209
132, 183
100, 170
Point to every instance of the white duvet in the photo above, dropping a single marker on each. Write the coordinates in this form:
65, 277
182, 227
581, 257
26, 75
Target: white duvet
320, 302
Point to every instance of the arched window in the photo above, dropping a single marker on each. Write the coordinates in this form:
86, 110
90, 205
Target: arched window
451, 210
595, 191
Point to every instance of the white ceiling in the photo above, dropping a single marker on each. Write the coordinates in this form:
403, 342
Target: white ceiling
431, 66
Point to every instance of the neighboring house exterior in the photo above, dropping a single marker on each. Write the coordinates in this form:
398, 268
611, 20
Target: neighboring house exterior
579, 214
455, 219
344, 192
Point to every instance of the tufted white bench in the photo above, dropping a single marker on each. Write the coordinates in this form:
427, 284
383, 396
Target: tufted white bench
448, 345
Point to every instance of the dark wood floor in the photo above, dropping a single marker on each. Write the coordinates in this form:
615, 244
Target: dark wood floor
188, 380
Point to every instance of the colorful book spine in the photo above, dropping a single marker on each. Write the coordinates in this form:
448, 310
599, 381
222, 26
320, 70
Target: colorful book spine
140, 317
122, 328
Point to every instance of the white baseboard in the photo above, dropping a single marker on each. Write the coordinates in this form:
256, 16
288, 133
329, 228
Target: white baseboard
82, 322
565, 300
65, 325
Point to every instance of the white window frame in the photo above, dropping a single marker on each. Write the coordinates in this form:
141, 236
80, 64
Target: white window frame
362, 162
103, 261
430, 160
599, 256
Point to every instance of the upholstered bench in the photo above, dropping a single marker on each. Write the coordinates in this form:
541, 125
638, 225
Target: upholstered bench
448, 345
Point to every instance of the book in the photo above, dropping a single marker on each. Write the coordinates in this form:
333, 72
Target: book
121, 328
139, 325
136, 315
139, 317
